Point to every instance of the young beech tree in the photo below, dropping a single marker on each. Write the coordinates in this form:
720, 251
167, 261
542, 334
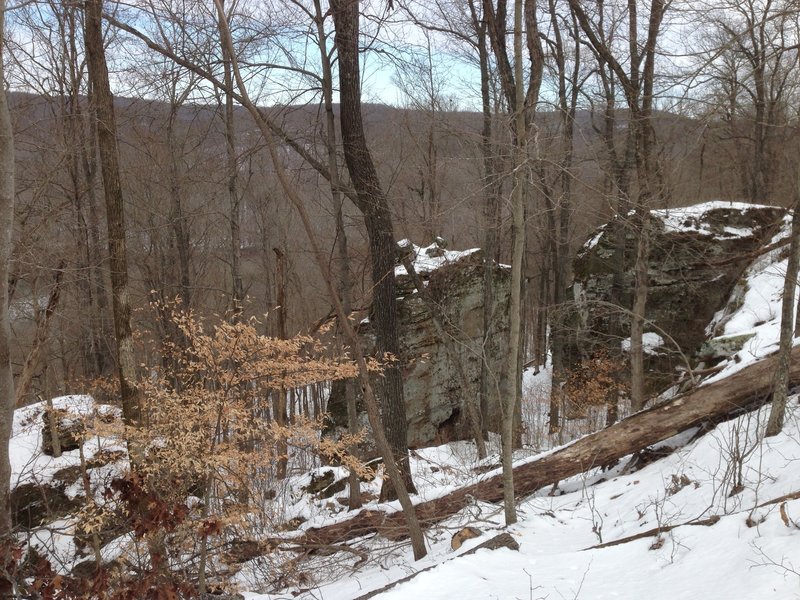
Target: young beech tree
210, 447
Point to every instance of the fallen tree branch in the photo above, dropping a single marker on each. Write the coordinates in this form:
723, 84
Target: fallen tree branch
745, 390
655, 531
705, 522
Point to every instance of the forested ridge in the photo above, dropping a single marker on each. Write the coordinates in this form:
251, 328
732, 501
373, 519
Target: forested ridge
214, 213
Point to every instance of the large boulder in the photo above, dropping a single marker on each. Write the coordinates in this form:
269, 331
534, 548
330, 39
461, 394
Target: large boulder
433, 394
70, 430
697, 255
36, 504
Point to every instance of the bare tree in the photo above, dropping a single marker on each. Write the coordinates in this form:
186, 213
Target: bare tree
780, 390
637, 86
103, 104
749, 62
6, 376
371, 201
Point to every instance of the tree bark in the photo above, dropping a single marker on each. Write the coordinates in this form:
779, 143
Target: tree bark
372, 202
780, 390
6, 376
638, 397
491, 217
176, 216
343, 255
39, 339
279, 403
237, 287
103, 104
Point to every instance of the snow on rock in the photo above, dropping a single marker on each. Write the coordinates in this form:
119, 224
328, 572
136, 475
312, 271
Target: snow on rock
650, 342
28, 462
753, 314
430, 258
694, 218
697, 255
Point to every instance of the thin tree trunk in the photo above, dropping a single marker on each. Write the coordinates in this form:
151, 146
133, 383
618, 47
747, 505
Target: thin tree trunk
343, 255
103, 103
39, 339
6, 376
780, 390
176, 218
370, 401
638, 397
518, 250
491, 221
279, 405
237, 295
88, 150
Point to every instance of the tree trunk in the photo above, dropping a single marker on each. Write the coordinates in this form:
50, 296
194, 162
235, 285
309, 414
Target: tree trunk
279, 403
491, 221
176, 217
6, 376
88, 147
343, 255
517, 256
781, 380
39, 339
638, 312
103, 103
372, 203
237, 289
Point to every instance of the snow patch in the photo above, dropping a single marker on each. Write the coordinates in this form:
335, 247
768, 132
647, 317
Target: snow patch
430, 258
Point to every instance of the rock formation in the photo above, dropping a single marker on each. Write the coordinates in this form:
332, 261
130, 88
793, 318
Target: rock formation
698, 253
433, 395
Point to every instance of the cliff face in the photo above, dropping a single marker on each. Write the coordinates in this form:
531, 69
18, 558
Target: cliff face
698, 254
433, 395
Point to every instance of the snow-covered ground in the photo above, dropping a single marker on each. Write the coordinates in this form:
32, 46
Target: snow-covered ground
749, 553
731, 474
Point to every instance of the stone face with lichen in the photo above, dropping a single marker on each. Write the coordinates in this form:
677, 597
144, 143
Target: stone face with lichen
433, 395
697, 256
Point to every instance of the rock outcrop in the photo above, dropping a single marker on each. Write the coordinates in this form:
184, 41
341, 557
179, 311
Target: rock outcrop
698, 253
433, 396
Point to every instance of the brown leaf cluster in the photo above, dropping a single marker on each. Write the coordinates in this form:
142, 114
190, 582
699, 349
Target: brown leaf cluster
598, 380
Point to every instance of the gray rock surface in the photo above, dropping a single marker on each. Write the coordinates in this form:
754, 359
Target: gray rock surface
433, 395
697, 256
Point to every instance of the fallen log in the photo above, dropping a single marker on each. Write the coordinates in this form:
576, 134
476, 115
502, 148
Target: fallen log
743, 391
